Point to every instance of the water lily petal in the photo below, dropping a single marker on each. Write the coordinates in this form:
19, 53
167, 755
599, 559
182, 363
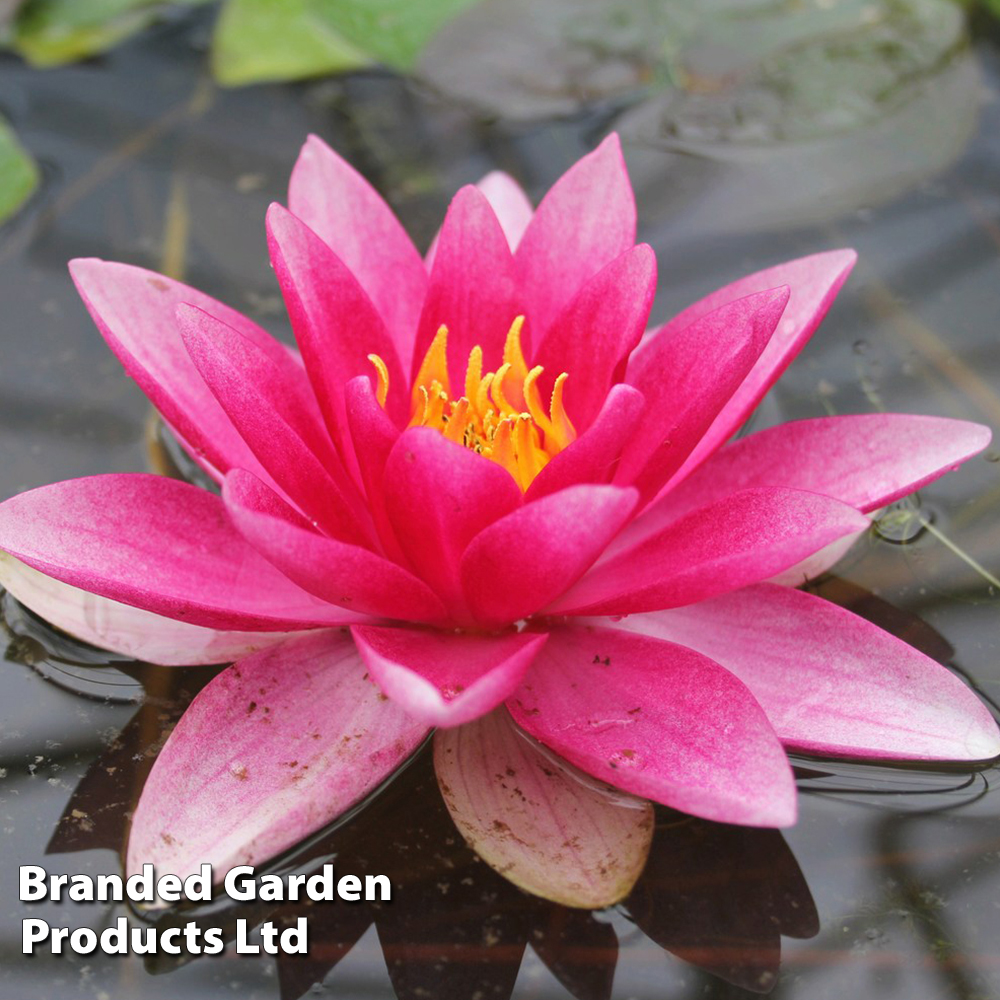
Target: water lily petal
281, 432
585, 221
472, 289
660, 721
539, 822
338, 572
349, 215
157, 544
512, 206
526, 559
830, 682
132, 632
135, 311
594, 333
815, 282
741, 539
373, 435
439, 495
335, 323
866, 460
592, 457
274, 748
445, 679
819, 562
687, 375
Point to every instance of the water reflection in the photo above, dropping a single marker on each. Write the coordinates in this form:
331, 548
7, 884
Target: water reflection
717, 896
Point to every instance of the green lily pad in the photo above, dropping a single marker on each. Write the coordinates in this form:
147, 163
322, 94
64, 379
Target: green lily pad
18, 173
54, 32
772, 111
258, 40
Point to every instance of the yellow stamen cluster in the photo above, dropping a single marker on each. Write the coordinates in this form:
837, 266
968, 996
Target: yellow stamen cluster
500, 414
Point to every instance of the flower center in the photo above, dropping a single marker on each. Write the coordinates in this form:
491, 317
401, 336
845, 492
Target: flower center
499, 415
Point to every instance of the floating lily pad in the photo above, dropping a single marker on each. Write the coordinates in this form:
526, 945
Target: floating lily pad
259, 40
781, 112
18, 173
53, 32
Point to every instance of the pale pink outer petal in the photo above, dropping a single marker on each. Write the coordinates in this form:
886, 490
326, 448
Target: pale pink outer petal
135, 311
132, 632
294, 449
442, 678
687, 376
814, 282
472, 288
337, 572
586, 220
336, 325
349, 215
657, 720
593, 456
820, 562
744, 538
830, 682
512, 206
594, 334
157, 544
273, 749
523, 561
439, 495
867, 460
543, 825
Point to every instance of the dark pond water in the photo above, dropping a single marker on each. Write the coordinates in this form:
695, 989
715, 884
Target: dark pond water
889, 886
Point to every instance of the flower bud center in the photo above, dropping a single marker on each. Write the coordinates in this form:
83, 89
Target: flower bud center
499, 415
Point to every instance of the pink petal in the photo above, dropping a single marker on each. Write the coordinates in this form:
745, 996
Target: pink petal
820, 562
660, 721
585, 221
596, 331
687, 375
592, 457
337, 572
336, 325
814, 282
132, 632
346, 212
537, 821
525, 560
157, 544
373, 435
830, 682
271, 750
282, 434
439, 496
442, 678
867, 460
511, 205
135, 311
472, 289
741, 539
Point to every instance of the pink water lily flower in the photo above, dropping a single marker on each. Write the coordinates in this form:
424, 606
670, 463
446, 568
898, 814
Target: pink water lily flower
479, 496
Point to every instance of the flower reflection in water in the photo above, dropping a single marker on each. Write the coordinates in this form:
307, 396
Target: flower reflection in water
717, 896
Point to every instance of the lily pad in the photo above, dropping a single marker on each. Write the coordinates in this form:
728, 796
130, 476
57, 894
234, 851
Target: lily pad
18, 173
258, 40
54, 32
782, 112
